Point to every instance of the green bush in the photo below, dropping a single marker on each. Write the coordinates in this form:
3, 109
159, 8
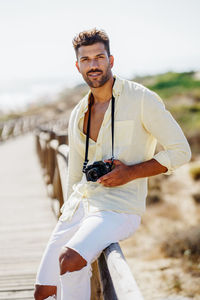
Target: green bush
172, 83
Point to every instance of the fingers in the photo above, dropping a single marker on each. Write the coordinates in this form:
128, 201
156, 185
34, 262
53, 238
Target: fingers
112, 178
107, 179
108, 160
104, 178
110, 175
108, 182
115, 161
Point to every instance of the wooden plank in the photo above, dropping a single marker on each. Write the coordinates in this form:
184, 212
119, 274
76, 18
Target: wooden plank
26, 218
17, 295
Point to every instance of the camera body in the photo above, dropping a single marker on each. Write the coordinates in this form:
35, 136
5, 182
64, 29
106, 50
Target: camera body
97, 169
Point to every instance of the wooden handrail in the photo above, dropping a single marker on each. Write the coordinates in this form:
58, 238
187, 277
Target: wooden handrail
116, 277
20, 125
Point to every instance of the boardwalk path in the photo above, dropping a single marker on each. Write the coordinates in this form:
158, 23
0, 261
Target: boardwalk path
26, 219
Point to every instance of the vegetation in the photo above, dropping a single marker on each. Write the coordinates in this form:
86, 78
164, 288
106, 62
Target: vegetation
181, 94
184, 244
169, 84
188, 116
195, 171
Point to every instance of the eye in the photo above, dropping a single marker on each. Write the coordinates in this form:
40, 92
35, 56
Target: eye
84, 59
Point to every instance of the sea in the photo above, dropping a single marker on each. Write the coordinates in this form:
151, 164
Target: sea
22, 94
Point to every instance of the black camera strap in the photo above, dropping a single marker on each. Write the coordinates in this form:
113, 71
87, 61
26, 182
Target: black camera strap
88, 132
112, 125
87, 138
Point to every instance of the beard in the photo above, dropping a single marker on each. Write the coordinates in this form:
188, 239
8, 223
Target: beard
100, 81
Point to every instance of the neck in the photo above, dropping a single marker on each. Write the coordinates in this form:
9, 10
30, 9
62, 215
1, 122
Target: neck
103, 93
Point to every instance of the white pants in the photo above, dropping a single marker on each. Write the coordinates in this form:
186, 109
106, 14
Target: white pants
88, 234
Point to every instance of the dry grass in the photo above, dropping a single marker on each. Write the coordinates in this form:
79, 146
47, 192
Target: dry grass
195, 171
154, 190
185, 243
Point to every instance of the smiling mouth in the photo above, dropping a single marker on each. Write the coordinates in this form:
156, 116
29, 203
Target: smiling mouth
94, 74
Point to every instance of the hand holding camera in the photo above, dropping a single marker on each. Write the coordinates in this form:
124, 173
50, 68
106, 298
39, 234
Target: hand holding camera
119, 175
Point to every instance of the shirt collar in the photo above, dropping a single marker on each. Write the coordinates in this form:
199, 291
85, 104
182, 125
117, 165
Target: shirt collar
117, 89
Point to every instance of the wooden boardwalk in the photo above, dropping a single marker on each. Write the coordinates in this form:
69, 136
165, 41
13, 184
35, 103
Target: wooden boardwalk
26, 218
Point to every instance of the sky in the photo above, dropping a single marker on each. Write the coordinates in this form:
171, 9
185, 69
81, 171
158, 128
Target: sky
146, 37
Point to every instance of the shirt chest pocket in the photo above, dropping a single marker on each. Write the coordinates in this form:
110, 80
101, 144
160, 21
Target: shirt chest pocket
124, 132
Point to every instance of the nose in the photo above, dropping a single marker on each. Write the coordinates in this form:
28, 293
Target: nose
93, 63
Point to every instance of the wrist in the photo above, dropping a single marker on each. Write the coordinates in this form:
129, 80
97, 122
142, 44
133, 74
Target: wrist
132, 172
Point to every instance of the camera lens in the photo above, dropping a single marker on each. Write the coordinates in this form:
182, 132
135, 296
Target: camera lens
93, 174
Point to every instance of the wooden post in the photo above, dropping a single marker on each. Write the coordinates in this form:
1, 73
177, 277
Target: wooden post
62, 138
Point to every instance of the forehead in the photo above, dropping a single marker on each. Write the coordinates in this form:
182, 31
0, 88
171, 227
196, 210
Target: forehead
91, 50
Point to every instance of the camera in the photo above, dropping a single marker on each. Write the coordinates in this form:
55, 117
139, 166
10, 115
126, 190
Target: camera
97, 169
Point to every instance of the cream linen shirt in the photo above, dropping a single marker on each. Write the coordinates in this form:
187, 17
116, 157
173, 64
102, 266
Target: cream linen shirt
140, 121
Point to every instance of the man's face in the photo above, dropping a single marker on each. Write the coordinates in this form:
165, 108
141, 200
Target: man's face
94, 64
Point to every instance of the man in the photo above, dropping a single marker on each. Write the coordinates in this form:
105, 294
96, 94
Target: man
108, 210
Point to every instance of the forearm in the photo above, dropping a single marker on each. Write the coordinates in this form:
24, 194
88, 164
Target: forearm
122, 173
145, 169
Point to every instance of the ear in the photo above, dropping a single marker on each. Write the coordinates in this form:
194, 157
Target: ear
111, 59
77, 66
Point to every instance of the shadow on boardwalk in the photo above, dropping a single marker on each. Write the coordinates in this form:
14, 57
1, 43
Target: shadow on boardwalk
26, 219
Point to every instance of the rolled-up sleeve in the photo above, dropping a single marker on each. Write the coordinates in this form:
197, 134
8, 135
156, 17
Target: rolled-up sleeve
160, 123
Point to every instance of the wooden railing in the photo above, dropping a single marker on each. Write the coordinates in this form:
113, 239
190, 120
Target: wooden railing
111, 276
15, 127
18, 126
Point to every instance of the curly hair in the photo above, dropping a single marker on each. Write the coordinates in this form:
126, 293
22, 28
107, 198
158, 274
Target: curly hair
90, 37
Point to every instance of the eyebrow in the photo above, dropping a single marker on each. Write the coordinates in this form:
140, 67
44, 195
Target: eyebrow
82, 57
